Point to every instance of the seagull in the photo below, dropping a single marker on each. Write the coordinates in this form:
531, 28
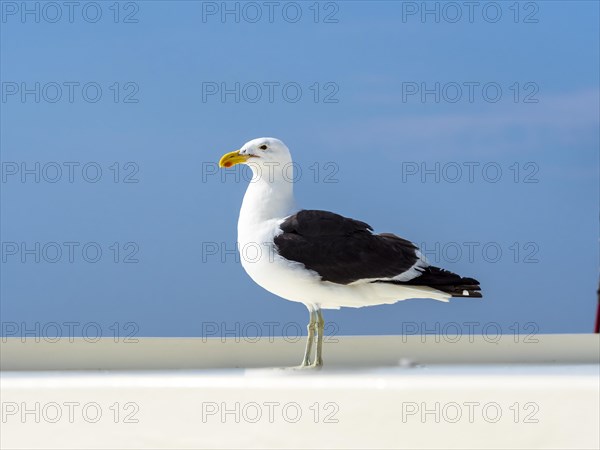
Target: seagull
322, 259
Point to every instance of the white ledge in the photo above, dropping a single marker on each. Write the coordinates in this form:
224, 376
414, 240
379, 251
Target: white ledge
195, 393
342, 351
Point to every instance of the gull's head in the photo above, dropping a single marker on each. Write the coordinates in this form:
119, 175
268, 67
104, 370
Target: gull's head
259, 153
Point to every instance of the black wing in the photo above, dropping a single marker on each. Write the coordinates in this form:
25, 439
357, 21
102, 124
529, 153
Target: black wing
343, 250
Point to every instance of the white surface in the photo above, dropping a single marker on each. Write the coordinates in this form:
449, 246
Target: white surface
552, 405
378, 408
339, 351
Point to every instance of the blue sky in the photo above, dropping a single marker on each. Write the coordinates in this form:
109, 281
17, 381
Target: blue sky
362, 147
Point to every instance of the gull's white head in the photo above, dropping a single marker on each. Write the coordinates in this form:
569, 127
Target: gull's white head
270, 192
260, 154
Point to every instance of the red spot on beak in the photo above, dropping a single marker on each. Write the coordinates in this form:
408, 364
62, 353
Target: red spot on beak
227, 164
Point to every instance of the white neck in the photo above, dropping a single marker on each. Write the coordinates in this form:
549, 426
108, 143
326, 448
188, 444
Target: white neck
266, 200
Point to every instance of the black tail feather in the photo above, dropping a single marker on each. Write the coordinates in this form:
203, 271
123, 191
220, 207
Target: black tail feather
445, 281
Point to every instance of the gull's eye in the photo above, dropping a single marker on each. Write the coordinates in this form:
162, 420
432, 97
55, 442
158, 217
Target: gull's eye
263, 147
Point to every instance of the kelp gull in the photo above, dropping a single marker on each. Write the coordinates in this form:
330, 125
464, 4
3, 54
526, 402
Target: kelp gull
322, 259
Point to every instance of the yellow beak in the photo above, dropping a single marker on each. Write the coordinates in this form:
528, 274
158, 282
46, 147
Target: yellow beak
232, 158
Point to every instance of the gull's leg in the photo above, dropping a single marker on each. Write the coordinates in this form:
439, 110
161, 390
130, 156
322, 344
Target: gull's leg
311, 327
320, 331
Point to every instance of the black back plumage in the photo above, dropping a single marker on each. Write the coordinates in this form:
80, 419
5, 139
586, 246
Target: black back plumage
343, 250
